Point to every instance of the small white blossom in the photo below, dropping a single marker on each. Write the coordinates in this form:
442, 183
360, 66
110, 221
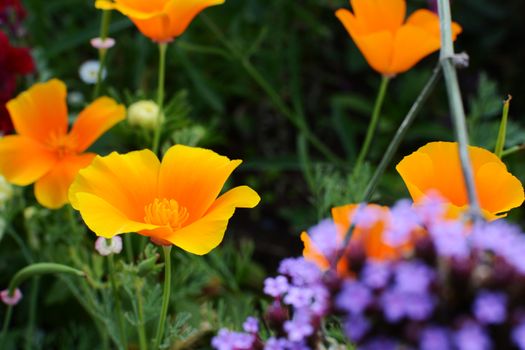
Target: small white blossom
106, 247
89, 70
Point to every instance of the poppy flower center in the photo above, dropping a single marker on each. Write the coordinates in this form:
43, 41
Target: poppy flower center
63, 145
166, 212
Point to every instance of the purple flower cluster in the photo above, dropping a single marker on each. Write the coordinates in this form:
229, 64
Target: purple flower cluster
454, 285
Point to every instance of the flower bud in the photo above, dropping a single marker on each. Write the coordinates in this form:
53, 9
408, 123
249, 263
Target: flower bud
11, 299
144, 113
108, 246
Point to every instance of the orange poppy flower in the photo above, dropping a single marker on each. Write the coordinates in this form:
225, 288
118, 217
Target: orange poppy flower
371, 237
172, 202
43, 151
389, 45
159, 20
436, 167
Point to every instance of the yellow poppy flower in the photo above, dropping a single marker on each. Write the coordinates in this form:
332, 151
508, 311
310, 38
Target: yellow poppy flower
159, 20
436, 167
43, 151
389, 45
172, 202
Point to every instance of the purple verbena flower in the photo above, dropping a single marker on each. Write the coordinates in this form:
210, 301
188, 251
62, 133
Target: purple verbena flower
431, 208
354, 297
403, 221
299, 297
366, 216
449, 238
301, 272
325, 238
375, 274
300, 327
418, 306
321, 300
518, 335
251, 325
276, 344
356, 326
227, 340
380, 343
413, 277
490, 307
276, 287
435, 338
472, 336
393, 305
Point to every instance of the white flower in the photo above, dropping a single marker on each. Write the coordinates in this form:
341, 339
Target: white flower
108, 246
89, 70
144, 113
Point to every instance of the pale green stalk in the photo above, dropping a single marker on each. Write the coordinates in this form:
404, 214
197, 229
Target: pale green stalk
102, 53
160, 96
165, 297
502, 133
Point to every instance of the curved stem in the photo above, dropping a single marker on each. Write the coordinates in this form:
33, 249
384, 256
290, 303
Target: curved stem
400, 133
165, 297
456, 104
160, 95
102, 53
33, 299
121, 324
373, 123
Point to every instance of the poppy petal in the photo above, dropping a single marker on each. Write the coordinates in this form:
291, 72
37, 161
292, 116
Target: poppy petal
379, 15
311, 253
95, 120
429, 21
24, 160
125, 182
134, 9
181, 13
104, 219
206, 233
41, 111
51, 191
194, 177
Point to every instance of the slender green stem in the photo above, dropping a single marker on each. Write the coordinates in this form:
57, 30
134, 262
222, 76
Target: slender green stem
160, 95
102, 53
502, 133
33, 302
143, 342
41, 269
7, 321
128, 246
373, 123
456, 104
400, 133
512, 150
165, 297
118, 305
274, 96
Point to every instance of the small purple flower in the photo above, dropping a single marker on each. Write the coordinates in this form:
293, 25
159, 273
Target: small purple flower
418, 306
413, 277
431, 208
450, 239
227, 340
299, 297
490, 307
403, 221
435, 338
496, 236
325, 238
472, 336
356, 326
301, 272
300, 327
375, 274
251, 325
11, 299
518, 335
276, 287
393, 305
321, 300
366, 216
354, 297
380, 343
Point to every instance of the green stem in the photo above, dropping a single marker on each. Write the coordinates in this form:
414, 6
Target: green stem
33, 301
102, 53
128, 246
512, 150
7, 321
400, 133
160, 95
41, 269
274, 96
143, 343
373, 123
121, 323
165, 297
456, 104
502, 133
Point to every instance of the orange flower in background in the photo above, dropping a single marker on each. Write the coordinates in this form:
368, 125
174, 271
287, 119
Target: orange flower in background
369, 235
43, 151
389, 45
172, 202
436, 167
159, 20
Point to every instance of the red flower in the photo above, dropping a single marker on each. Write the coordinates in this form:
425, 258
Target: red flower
14, 61
9, 7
